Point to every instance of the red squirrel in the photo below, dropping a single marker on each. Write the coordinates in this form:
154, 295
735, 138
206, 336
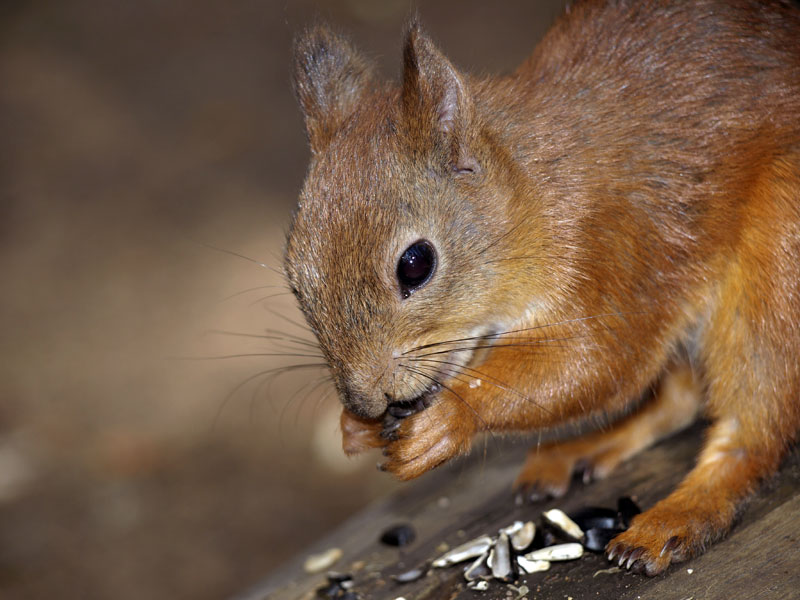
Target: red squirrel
515, 253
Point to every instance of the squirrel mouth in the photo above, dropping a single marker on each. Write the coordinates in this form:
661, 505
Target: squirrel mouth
397, 411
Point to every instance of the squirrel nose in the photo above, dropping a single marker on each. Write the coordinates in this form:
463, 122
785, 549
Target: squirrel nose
364, 404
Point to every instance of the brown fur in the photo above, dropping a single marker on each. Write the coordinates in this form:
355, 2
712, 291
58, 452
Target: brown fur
623, 205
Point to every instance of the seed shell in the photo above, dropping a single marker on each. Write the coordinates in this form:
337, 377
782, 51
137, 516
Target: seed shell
597, 538
569, 551
319, 562
559, 519
523, 537
627, 510
409, 576
340, 578
465, 551
399, 535
533, 566
329, 590
501, 561
513, 528
595, 517
478, 569
480, 586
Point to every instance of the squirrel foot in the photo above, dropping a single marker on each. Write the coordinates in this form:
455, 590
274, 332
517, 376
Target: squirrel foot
549, 469
703, 507
667, 533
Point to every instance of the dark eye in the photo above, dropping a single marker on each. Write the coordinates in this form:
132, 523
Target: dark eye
416, 267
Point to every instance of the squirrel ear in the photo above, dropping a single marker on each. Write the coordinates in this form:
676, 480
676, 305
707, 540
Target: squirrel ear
436, 101
330, 79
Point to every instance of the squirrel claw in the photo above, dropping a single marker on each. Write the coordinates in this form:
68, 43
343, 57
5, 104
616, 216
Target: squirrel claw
670, 545
636, 559
537, 491
639, 551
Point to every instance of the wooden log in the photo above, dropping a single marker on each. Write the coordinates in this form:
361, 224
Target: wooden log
473, 497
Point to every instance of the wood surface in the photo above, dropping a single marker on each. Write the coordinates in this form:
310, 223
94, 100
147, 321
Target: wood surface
759, 559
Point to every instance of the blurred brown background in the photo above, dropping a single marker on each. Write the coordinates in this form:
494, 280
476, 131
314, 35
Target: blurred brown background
134, 135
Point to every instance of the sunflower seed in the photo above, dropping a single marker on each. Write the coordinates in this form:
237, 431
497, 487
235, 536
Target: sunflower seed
478, 569
558, 552
319, 562
501, 561
512, 529
398, 535
595, 517
523, 537
480, 586
533, 566
465, 551
597, 539
559, 519
409, 576
627, 509
340, 578
399, 411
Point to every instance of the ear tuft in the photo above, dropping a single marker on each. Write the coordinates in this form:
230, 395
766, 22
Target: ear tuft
330, 79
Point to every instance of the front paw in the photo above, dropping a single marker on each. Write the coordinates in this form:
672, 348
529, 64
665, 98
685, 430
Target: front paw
424, 440
359, 435
550, 468
546, 474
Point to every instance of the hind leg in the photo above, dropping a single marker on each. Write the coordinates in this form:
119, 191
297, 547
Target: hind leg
548, 468
750, 345
702, 508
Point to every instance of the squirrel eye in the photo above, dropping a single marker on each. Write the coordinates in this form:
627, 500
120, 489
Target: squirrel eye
416, 266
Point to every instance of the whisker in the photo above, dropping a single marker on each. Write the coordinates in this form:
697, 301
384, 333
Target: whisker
302, 326
462, 369
270, 297
266, 372
497, 260
252, 289
500, 239
242, 256
421, 381
231, 394
310, 393
277, 372
273, 331
486, 427
434, 372
302, 404
319, 381
548, 342
281, 337
515, 331
313, 385
449, 389
248, 355
320, 399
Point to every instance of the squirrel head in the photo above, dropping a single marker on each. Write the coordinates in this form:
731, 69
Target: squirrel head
393, 249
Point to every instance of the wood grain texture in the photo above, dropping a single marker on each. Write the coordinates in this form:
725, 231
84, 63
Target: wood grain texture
758, 560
